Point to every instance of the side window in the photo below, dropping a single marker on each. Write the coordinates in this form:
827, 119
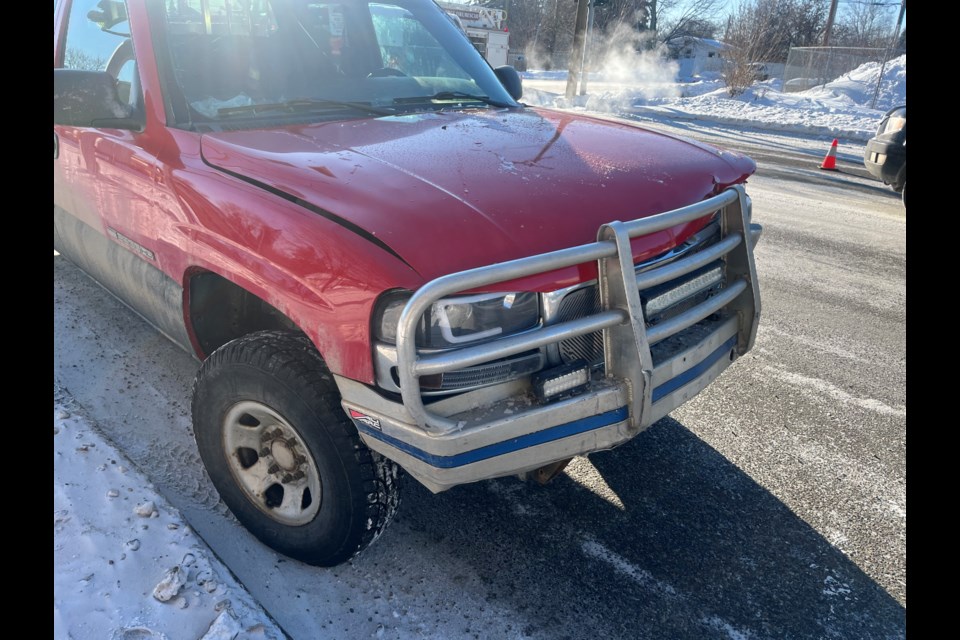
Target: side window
407, 46
98, 39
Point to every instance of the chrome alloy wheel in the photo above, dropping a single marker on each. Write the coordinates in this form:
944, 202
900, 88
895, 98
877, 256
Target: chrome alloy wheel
271, 463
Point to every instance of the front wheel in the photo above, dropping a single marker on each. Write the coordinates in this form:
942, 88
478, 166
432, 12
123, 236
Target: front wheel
286, 460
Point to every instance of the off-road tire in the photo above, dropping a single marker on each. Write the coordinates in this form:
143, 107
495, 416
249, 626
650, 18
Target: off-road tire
277, 384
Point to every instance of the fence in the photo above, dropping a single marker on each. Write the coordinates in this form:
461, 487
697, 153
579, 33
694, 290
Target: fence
809, 67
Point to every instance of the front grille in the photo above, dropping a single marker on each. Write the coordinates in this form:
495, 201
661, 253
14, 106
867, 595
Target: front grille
481, 375
492, 373
585, 301
579, 304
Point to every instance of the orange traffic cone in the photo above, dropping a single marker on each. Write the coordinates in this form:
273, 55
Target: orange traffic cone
830, 160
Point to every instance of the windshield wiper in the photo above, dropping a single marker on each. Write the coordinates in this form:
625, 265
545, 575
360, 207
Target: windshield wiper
453, 95
304, 104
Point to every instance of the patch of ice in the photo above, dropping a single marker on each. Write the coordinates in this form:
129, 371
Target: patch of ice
833, 588
818, 387
639, 575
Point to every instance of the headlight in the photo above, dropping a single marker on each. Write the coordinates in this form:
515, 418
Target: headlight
460, 320
895, 121
895, 124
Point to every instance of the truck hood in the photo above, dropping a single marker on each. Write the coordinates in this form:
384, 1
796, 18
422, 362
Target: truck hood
452, 190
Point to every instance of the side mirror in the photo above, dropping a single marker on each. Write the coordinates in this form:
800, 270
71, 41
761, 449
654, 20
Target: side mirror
510, 80
89, 99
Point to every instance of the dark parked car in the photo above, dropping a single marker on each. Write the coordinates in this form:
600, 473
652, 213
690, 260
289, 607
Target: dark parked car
886, 154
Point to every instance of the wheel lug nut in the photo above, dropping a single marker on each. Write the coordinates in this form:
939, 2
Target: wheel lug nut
287, 477
298, 475
273, 468
264, 452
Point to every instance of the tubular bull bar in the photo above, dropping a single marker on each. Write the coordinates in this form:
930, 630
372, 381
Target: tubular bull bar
500, 430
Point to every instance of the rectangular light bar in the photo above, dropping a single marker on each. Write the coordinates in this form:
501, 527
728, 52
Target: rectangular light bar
566, 379
705, 280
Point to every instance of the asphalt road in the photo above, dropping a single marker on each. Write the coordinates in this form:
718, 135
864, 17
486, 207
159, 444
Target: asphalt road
773, 505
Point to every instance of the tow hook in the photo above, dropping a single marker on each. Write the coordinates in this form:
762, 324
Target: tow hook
547, 472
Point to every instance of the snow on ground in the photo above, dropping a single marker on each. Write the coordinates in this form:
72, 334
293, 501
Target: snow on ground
840, 109
858, 86
126, 564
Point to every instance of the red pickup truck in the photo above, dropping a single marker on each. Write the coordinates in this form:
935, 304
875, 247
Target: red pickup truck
381, 257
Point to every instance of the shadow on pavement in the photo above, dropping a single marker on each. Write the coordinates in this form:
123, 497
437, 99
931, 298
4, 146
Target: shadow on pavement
698, 549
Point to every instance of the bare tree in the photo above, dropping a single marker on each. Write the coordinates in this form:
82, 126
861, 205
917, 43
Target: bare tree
764, 31
543, 29
79, 59
807, 20
865, 24
677, 18
616, 14
556, 34
525, 19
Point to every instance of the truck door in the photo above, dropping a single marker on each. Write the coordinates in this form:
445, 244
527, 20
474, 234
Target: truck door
111, 181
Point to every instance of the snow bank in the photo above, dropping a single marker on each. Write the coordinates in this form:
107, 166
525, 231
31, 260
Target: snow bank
838, 110
858, 86
126, 565
764, 107
760, 107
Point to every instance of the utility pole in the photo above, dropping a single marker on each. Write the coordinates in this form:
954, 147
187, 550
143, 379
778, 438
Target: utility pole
587, 51
575, 64
833, 14
903, 10
892, 45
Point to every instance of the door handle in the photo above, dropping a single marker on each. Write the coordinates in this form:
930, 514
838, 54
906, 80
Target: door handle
56, 146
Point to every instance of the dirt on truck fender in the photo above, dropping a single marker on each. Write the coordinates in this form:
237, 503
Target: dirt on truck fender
383, 259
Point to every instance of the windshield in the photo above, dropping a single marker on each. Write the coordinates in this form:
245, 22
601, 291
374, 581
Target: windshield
261, 59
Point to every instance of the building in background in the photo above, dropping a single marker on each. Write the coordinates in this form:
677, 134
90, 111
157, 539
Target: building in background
697, 55
486, 28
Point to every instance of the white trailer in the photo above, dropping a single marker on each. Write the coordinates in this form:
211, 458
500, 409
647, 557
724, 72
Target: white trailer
485, 27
